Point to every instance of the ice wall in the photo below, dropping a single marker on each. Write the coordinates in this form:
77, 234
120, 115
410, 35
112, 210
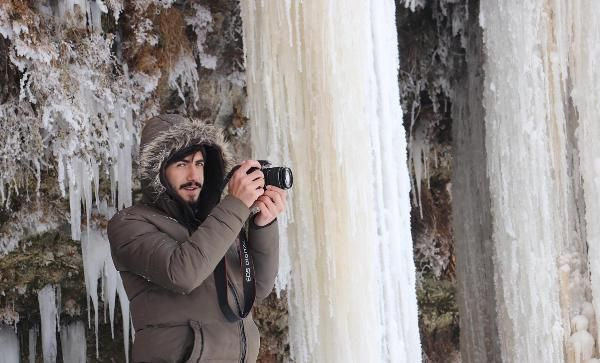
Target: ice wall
323, 99
541, 130
584, 60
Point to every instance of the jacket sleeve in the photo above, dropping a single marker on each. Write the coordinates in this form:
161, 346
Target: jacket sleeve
263, 243
139, 246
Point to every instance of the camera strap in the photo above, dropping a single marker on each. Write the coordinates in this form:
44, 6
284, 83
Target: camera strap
248, 280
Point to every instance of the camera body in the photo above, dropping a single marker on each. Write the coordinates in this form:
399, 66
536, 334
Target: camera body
279, 176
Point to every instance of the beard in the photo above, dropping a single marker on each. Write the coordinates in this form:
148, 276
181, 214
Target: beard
186, 198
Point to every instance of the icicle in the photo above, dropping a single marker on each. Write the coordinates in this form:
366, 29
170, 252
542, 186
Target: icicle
98, 264
48, 311
419, 159
110, 292
94, 256
58, 305
126, 320
72, 342
9, 345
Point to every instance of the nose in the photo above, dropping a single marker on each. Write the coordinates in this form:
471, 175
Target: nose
193, 174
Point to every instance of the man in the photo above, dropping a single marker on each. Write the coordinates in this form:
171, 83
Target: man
167, 246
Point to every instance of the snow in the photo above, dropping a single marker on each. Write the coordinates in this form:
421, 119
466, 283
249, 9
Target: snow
9, 345
346, 248
48, 315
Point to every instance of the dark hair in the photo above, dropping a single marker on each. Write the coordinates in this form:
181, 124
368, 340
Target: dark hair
184, 153
210, 195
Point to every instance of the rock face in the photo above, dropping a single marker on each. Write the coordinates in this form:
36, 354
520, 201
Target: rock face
435, 38
134, 59
76, 72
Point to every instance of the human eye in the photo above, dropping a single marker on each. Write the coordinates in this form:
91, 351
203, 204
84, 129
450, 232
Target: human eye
200, 163
180, 164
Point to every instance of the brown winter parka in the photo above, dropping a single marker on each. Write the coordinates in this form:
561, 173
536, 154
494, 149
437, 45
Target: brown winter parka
167, 269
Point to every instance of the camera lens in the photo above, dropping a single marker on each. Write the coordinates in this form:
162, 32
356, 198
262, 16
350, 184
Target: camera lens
286, 178
280, 177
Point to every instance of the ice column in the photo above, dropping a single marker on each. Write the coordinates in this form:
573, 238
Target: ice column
72, 342
33, 333
9, 345
48, 317
324, 100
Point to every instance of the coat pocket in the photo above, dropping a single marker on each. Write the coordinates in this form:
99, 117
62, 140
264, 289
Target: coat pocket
198, 345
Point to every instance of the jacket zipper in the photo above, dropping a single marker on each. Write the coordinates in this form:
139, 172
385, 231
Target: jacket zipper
241, 324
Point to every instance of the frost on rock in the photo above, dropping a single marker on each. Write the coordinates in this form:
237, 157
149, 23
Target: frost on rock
413, 4
202, 23
25, 222
426, 76
71, 123
183, 76
85, 124
8, 316
346, 248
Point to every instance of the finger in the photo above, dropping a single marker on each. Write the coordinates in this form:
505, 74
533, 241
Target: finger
269, 205
256, 174
276, 198
264, 210
247, 165
257, 184
277, 190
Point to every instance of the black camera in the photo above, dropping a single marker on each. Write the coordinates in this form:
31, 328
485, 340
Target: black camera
278, 176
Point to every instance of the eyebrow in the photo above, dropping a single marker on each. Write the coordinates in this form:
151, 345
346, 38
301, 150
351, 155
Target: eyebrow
188, 161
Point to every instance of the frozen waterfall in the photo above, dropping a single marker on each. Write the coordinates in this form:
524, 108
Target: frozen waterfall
537, 195
324, 100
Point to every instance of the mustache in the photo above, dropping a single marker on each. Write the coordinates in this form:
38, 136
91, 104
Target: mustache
190, 184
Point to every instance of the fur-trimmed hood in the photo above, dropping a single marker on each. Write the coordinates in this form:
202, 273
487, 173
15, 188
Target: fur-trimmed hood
164, 135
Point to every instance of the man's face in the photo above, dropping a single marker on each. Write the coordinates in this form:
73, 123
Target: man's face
187, 176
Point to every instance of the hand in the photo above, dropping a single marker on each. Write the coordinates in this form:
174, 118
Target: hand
247, 187
271, 204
